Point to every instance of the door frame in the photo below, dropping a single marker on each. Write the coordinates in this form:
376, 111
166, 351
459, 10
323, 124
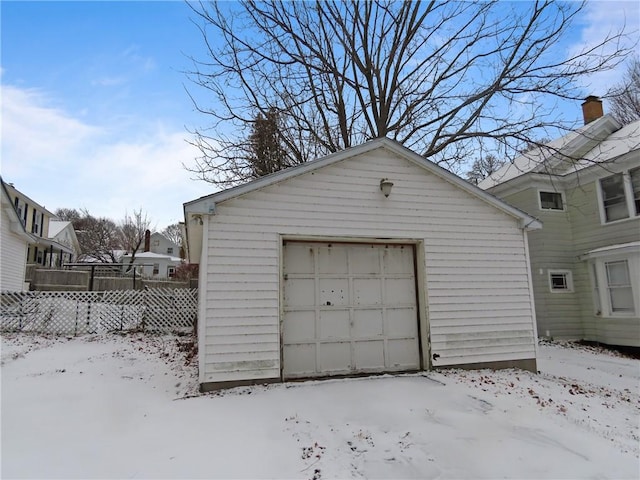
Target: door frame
419, 266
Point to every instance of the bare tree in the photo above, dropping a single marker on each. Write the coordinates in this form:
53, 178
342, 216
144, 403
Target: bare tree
266, 152
173, 233
435, 76
132, 232
99, 237
625, 101
483, 168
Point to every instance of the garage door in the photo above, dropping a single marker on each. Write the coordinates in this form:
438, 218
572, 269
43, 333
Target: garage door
349, 308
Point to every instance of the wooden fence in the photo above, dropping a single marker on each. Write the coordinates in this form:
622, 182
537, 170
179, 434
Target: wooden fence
154, 310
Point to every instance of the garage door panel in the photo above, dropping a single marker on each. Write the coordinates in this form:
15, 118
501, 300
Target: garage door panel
299, 360
401, 322
299, 326
334, 325
367, 291
367, 324
403, 354
332, 260
369, 355
299, 292
334, 358
400, 291
299, 259
398, 259
364, 259
334, 291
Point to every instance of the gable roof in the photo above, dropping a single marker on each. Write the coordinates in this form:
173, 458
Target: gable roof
206, 205
56, 226
16, 223
600, 141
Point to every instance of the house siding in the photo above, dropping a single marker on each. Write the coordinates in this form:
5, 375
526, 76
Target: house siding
551, 248
590, 233
476, 275
14, 257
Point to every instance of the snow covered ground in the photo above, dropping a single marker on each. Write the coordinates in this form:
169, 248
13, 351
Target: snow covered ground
113, 406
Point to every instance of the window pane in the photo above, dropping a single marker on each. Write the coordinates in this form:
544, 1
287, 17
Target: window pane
559, 281
596, 290
621, 299
615, 203
619, 283
551, 200
635, 186
617, 273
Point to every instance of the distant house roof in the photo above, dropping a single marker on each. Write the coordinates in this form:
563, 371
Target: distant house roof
151, 256
56, 226
600, 141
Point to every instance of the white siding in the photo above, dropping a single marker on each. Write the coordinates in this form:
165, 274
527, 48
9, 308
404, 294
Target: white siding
477, 290
14, 257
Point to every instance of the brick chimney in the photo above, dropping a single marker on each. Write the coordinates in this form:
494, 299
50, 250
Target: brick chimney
592, 109
147, 240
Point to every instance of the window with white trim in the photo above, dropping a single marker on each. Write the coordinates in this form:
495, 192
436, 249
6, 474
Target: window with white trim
615, 291
596, 290
634, 177
551, 201
619, 286
614, 199
560, 281
156, 268
620, 195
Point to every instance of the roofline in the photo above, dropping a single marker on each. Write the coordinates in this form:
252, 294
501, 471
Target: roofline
23, 231
208, 202
31, 200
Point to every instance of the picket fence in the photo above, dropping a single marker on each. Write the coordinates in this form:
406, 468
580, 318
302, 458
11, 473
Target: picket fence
152, 310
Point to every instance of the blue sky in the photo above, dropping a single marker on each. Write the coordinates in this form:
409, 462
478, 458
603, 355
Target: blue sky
94, 108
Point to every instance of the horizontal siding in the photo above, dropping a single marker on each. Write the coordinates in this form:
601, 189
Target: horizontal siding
14, 257
476, 271
551, 248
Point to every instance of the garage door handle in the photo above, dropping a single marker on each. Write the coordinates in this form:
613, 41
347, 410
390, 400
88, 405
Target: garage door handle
435, 356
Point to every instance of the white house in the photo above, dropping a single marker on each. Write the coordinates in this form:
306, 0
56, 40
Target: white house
369, 260
158, 243
63, 233
153, 265
14, 243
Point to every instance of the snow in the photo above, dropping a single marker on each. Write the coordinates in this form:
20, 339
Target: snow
125, 406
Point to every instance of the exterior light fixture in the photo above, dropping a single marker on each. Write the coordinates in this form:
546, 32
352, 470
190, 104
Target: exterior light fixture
385, 186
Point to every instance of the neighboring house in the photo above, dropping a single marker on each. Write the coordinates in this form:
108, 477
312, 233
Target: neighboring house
152, 265
35, 219
369, 260
158, 243
62, 232
585, 188
14, 243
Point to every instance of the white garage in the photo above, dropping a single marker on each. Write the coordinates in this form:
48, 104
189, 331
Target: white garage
369, 260
349, 308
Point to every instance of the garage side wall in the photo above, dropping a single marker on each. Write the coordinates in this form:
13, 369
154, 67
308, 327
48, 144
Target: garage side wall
477, 290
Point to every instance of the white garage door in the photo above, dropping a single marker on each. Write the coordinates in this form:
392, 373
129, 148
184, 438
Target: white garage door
349, 308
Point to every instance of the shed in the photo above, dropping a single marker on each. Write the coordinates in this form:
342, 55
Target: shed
315, 272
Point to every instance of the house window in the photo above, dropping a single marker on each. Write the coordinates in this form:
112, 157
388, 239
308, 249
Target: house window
170, 250
156, 268
596, 290
171, 272
551, 201
560, 281
634, 176
613, 198
619, 286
